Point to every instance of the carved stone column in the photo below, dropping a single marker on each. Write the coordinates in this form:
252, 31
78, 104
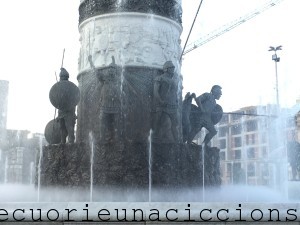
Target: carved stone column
142, 36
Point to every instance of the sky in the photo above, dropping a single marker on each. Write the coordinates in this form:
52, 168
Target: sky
35, 32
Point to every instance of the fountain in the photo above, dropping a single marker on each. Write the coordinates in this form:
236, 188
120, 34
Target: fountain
130, 103
134, 145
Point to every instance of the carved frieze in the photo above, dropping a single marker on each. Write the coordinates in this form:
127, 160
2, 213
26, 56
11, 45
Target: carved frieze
134, 39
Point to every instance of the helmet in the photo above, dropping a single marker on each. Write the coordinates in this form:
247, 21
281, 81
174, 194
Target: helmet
64, 75
168, 64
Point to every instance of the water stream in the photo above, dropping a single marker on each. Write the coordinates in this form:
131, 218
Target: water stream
6, 170
203, 171
39, 167
150, 165
91, 139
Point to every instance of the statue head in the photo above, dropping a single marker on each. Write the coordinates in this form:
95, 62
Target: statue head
216, 91
168, 67
63, 75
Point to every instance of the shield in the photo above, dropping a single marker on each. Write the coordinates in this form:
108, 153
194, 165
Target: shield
217, 114
52, 132
64, 95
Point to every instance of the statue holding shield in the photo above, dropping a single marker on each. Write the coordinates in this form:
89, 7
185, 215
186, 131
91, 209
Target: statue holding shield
206, 114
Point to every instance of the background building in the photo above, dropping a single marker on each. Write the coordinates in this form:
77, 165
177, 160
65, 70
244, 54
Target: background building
253, 144
17, 147
18, 156
3, 108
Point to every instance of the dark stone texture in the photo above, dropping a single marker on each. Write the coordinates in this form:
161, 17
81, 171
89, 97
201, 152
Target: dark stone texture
190, 163
65, 165
121, 165
125, 167
165, 165
166, 8
136, 104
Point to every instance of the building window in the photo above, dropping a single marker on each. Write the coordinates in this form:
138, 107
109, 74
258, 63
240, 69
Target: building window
237, 154
251, 170
250, 139
236, 117
229, 169
251, 125
265, 170
263, 138
263, 123
251, 153
251, 111
222, 143
19, 156
222, 155
264, 152
237, 166
236, 129
223, 131
237, 142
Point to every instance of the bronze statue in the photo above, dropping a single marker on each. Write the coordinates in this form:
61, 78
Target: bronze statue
206, 114
186, 110
166, 104
110, 100
66, 117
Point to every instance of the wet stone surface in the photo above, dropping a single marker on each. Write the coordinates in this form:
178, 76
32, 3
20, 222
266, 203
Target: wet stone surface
170, 9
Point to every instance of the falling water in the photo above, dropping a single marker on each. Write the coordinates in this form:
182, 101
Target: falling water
31, 172
5, 170
18, 138
119, 3
92, 165
203, 172
244, 155
150, 164
39, 169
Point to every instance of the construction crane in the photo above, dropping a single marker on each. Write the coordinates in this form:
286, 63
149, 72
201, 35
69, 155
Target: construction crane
225, 28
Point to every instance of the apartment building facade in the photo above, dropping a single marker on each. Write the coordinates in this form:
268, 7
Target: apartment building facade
18, 156
253, 145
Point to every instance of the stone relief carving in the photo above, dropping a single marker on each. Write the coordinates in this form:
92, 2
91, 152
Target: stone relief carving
136, 42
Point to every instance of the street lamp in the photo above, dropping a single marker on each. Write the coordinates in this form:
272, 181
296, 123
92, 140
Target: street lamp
276, 59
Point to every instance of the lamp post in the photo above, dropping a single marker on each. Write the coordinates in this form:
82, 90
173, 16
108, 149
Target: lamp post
276, 60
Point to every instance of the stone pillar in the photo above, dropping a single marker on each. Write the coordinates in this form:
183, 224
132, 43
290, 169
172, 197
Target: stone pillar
142, 36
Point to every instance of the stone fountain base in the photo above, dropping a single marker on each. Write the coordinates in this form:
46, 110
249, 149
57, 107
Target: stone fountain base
128, 167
